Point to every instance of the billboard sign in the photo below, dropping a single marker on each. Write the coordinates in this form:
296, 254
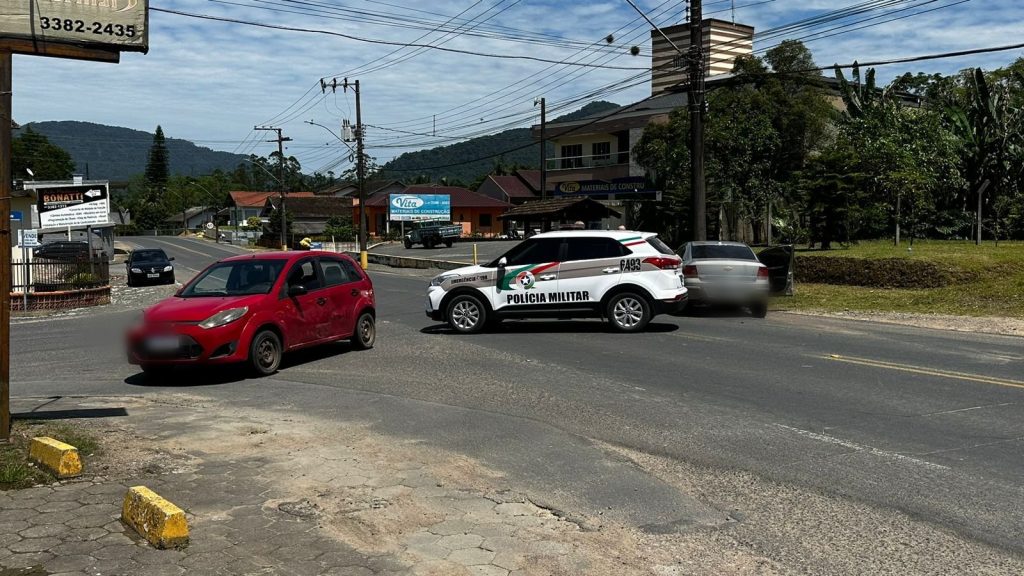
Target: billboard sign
633, 187
28, 238
411, 207
113, 24
80, 205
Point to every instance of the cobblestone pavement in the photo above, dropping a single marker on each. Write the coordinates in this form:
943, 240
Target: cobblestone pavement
284, 496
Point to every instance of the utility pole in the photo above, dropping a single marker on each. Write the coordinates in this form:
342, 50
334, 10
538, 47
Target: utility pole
981, 192
280, 178
543, 148
6, 124
695, 100
360, 162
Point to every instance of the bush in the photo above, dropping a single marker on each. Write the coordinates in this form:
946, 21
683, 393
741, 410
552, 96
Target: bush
874, 273
84, 280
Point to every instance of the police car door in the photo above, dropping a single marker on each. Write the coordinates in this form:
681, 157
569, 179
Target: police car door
530, 272
592, 267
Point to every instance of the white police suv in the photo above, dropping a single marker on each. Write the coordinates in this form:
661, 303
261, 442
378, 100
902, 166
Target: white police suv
623, 276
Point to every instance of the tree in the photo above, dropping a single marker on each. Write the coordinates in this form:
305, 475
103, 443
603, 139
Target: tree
33, 151
340, 228
831, 188
158, 169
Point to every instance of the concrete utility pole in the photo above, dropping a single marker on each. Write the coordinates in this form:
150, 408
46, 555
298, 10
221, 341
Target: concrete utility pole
543, 148
981, 192
360, 162
280, 178
695, 98
6, 124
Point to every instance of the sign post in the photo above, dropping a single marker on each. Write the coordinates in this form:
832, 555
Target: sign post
88, 30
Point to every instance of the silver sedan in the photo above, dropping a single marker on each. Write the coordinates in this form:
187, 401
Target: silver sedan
726, 273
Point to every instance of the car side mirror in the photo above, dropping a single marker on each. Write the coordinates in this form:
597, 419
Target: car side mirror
171, 259
296, 290
503, 262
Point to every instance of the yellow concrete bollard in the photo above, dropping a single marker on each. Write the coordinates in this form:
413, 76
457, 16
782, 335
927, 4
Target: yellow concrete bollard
160, 522
474, 255
60, 458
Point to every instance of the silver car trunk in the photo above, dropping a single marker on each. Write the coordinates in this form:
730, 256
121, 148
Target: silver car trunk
727, 271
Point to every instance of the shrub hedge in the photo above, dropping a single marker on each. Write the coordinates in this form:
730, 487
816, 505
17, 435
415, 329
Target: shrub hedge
875, 273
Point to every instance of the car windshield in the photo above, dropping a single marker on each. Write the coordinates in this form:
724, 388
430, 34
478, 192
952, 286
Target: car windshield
240, 278
723, 252
148, 255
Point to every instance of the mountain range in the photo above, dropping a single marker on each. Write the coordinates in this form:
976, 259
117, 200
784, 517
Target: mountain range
117, 154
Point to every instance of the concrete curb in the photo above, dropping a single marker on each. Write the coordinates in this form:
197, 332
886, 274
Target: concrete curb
157, 520
407, 262
60, 458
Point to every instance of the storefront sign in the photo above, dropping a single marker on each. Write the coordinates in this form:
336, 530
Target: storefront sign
116, 24
409, 207
82, 205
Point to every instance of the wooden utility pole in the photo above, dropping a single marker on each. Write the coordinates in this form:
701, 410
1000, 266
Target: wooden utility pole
280, 179
360, 176
6, 125
695, 100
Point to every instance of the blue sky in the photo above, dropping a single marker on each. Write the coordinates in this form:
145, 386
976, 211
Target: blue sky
210, 82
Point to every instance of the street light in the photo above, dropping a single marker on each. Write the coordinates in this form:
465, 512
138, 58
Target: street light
362, 200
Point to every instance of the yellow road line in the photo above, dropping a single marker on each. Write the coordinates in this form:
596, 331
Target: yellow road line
928, 371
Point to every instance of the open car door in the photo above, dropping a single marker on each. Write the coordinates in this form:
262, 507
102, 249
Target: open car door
780, 261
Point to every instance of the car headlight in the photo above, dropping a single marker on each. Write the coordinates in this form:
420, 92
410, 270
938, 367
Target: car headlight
168, 268
438, 280
224, 317
136, 270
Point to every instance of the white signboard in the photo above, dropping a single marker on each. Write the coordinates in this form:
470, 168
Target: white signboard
82, 205
28, 238
119, 24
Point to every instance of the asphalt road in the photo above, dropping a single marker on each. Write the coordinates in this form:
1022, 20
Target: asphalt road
922, 422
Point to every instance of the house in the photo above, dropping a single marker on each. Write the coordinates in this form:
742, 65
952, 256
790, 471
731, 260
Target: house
478, 214
372, 188
309, 214
517, 188
195, 217
246, 204
562, 212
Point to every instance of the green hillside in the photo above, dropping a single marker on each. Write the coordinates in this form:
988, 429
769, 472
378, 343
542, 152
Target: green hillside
449, 161
115, 153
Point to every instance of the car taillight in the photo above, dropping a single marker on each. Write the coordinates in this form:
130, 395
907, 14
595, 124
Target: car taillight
690, 271
762, 273
663, 263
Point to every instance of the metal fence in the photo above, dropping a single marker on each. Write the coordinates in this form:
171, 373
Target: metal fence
44, 275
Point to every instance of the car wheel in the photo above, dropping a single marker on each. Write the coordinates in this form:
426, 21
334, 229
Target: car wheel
448, 243
265, 353
759, 309
366, 332
466, 314
407, 243
130, 283
428, 243
628, 312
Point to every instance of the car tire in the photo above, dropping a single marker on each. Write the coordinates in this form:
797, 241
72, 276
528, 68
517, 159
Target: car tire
130, 283
407, 243
628, 312
428, 243
265, 353
466, 314
366, 332
448, 243
759, 309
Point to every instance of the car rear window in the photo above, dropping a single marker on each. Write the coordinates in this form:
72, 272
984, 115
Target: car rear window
660, 246
724, 252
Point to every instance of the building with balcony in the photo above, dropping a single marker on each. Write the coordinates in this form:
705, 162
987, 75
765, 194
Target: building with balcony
722, 43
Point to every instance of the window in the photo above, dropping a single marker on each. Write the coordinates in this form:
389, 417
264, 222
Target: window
724, 252
485, 220
660, 246
304, 274
533, 252
595, 248
352, 271
236, 278
333, 272
601, 152
572, 156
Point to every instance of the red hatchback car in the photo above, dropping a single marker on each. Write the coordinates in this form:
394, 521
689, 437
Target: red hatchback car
254, 308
